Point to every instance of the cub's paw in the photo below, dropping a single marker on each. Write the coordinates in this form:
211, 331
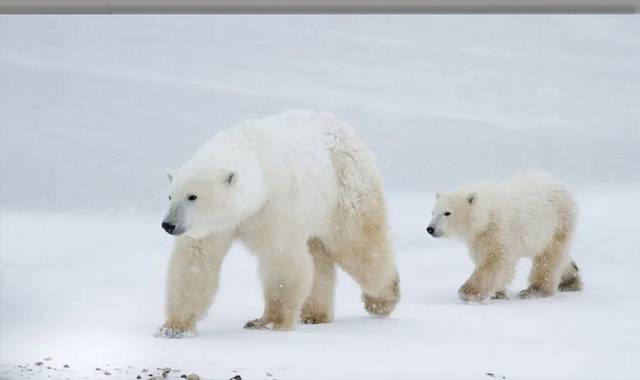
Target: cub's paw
258, 324
315, 318
174, 332
470, 293
533, 291
570, 284
500, 295
262, 324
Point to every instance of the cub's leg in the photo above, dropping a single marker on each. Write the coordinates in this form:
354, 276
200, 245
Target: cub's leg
547, 269
570, 280
192, 281
287, 275
318, 308
490, 278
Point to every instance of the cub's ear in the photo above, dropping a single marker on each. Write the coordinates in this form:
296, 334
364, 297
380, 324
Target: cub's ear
472, 198
438, 195
231, 179
171, 173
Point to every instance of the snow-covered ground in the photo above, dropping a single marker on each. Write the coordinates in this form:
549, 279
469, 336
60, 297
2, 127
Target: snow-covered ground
93, 109
86, 291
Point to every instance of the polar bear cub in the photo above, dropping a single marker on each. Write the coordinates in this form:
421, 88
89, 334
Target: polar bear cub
303, 193
529, 215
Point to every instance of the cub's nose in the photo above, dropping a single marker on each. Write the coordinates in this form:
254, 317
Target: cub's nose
431, 230
168, 227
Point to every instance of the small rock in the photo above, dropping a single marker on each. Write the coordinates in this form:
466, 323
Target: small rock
48, 359
193, 376
107, 373
138, 377
183, 376
269, 374
236, 377
65, 366
38, 363
98, 369
144, 370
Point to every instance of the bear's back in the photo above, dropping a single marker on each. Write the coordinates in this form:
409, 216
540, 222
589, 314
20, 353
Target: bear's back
533, 208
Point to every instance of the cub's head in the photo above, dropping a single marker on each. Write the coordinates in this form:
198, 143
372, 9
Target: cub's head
452, 215
213, 194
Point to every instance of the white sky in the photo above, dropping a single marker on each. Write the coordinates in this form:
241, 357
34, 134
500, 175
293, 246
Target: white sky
93, 109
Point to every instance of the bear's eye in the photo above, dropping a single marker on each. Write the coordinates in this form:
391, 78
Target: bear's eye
192, 197
447, 213
169, 197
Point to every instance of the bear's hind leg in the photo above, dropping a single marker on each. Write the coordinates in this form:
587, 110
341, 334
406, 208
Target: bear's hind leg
192, 281
287, 275
570, 280
373, 268
547, 269
318, 308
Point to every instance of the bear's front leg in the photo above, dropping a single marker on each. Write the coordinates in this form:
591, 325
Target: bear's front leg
490, 278
192, 281
318, 307
287, 276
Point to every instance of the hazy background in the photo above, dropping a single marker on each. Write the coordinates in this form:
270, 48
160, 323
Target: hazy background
93, 109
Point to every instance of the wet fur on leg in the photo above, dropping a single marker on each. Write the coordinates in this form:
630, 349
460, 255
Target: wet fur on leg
570, 281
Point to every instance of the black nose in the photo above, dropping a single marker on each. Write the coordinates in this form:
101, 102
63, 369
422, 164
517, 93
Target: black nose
430, 230
168, 227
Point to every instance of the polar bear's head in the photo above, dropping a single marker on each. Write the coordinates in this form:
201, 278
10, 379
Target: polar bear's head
452, 215
214, 193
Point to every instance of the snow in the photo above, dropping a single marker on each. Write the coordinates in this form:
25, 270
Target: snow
89, 104
87, 291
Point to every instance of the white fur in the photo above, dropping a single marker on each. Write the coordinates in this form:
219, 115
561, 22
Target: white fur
297, 178
529, 215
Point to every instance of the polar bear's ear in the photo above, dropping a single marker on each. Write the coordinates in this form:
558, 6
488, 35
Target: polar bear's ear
471, 198
231, 178
171, 173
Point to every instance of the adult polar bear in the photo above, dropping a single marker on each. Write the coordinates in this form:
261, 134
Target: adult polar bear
303, 193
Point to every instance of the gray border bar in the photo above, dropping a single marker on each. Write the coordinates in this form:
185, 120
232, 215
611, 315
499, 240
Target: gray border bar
315, 6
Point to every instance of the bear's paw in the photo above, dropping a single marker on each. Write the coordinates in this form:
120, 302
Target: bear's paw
468, 292
533, 291
173, 332
315, 318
